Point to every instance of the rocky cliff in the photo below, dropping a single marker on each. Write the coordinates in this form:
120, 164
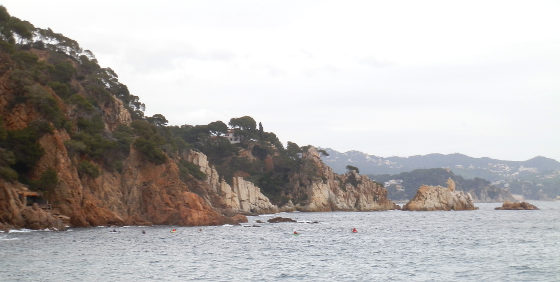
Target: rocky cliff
68, 138
143, 193
241, 196
77, 150
430, 198
328, 191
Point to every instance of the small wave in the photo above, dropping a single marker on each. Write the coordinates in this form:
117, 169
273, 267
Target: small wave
19, 230
227, 225
9, 239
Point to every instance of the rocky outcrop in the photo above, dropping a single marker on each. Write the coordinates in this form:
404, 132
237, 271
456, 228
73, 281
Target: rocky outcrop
242, 195
143, 194
430, 198
280, 219
115, 114
327, 191
517, 206
16, 213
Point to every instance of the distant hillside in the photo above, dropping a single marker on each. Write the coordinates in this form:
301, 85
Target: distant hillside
403, 186
537, 178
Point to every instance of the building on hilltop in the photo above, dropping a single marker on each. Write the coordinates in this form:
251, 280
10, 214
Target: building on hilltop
231, 137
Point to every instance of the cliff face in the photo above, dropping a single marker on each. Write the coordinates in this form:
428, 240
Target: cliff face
430, 198
143, 193
322, 189
328, 191
242, 195
77, 150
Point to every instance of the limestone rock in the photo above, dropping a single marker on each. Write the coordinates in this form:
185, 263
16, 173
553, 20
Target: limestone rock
242, 195
430, 198
517, 206
329, 191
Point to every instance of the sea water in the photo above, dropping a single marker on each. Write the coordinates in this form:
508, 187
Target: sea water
481, 245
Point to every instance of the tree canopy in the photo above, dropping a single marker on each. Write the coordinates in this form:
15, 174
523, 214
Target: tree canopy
243, 123
352, 168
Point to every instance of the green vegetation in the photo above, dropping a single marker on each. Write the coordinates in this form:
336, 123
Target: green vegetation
352, 168
69, 93
47, 182
86, 168
187, 169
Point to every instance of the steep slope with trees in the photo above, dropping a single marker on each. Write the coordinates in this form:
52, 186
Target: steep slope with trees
76, 149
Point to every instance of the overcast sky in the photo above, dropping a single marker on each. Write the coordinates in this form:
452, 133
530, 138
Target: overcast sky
387, 78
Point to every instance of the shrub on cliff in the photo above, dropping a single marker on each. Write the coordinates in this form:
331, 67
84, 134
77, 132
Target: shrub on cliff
148, 142
187, 168
149, 149
86, 168
7, 159
25, 147
47, 181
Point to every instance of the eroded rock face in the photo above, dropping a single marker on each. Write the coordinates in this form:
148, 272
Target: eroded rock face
517, 206
351, 192
143, 194
14, 213
242, 195
430, 198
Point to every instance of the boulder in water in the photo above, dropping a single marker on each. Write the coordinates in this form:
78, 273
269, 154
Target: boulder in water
431, 198
517, 206
280, 219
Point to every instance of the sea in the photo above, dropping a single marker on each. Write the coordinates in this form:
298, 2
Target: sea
480, 245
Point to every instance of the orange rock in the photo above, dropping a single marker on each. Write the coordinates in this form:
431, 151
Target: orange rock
516, 206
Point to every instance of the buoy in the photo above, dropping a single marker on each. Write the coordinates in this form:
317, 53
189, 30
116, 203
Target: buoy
354, 230
295, 233
173, 230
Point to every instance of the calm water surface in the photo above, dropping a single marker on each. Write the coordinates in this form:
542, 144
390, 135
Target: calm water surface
482, 245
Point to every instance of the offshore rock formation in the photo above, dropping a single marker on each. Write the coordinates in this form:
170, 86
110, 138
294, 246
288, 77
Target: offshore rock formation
280, 219
241, 196
327, 191
430, 198
517, 206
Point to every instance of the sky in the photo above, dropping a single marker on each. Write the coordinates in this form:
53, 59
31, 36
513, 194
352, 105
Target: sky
388, 78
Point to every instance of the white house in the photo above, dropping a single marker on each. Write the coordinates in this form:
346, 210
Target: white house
231, 137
